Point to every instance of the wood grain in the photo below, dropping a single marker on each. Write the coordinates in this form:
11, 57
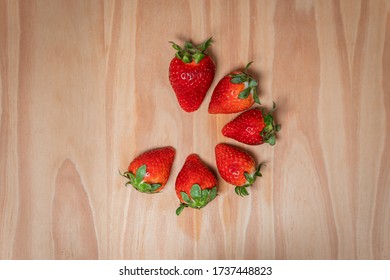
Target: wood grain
84, 88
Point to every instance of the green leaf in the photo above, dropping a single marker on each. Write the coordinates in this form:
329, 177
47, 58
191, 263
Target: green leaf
271, 140
244, 191
154, 187
188, 45
239, 75
245, 93
268, 120
187, 58
185, 197
180, 209
213, 193
131, 176
175, 46
253, 83
238, 79
241, 190
196, 191
144, 187
198, 57
256, 96
248, 178
179, 55
140, 174
206, 44
278, 127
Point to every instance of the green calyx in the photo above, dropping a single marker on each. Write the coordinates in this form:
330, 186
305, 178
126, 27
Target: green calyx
197, 199
250, 179
252, 87
137, 181
268, 133
190, 52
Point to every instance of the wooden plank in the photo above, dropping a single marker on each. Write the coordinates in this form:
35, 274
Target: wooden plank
84, 89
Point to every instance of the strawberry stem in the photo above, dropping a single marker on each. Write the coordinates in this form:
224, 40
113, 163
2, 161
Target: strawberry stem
190, 52
250, 179
247, 66
137, 181
251, 86
197, 198
268, 133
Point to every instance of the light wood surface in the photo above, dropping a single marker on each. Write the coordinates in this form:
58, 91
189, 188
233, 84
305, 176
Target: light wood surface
84, 88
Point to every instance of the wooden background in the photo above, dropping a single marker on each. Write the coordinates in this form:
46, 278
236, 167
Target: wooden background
84, 88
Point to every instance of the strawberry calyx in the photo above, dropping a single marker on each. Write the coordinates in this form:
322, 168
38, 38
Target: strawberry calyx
268, 133
191, 52
137, 181
250, 179
251, 85
197, 199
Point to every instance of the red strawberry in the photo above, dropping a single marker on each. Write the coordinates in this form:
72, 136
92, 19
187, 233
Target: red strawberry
191, 73
236, 167
195, 184
253, 127
149, 172
234, 93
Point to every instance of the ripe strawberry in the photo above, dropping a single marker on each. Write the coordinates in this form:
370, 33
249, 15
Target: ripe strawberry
191, 73
236, 167
149, 172
253, 127
234, 93
195, 184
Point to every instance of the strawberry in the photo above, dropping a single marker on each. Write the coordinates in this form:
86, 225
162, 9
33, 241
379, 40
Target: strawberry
195, 184
253, 127
149, 172
234, 93
236, 167
191, 73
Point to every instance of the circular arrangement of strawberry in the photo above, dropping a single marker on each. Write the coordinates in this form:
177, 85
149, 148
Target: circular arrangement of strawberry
191, 73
